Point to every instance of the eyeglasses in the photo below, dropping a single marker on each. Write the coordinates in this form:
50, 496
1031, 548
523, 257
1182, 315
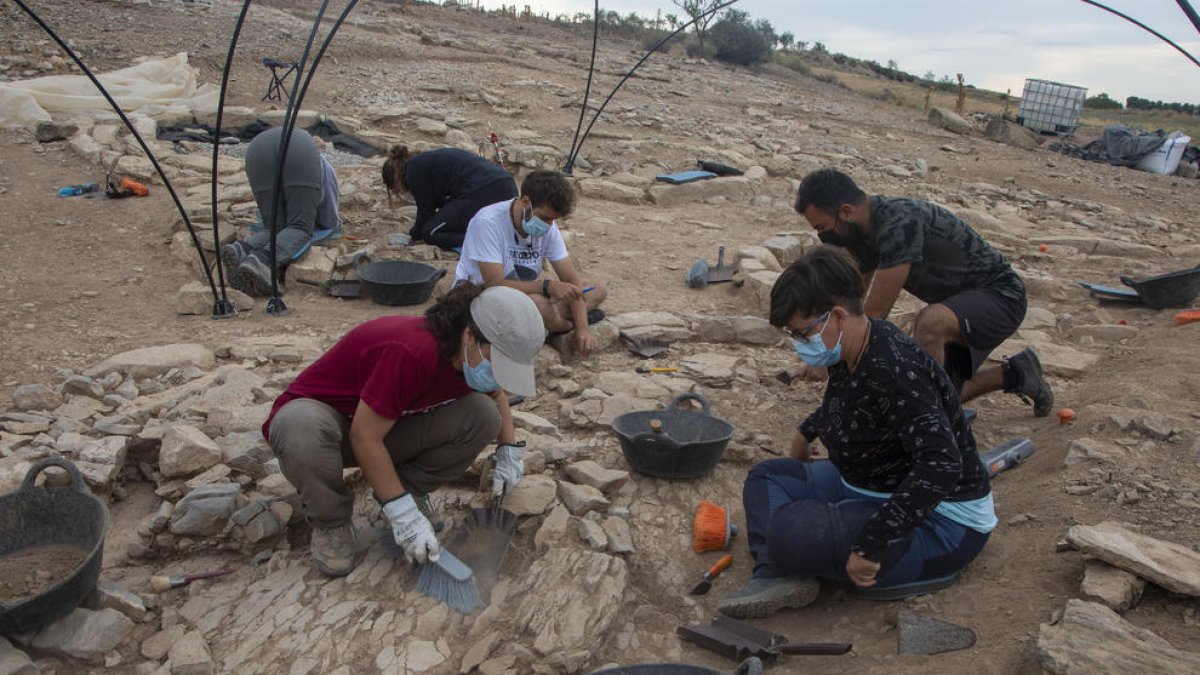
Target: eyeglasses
803, 334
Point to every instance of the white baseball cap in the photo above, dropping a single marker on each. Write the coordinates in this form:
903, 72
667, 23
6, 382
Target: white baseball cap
513, 326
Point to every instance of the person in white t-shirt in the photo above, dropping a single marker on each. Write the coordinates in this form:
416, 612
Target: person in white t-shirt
507, 242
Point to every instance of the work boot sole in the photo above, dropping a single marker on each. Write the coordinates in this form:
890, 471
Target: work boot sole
250, 282
758, 608
1040, 393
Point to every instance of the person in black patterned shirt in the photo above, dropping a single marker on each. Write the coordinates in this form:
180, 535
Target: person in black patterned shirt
975, 299
903, 503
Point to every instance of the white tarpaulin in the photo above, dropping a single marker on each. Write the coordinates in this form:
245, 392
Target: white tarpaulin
153, 87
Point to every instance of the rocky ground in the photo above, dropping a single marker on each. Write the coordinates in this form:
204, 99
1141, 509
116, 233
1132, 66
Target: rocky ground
112, 361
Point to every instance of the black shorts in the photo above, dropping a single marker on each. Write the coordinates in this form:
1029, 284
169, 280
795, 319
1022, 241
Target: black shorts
986, 318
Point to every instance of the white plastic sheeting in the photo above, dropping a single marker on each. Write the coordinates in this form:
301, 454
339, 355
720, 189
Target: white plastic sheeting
153, 87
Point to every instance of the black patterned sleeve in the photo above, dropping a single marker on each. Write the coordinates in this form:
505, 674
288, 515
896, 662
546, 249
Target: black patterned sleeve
927, 436
809, 428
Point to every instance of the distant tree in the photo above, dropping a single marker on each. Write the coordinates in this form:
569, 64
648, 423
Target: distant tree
787, 41
1101, 102
819, 48
740, 41
892, 65
701, 12
929, 76
801, 46
672, 21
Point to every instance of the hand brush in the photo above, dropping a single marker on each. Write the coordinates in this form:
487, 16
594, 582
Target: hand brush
712, 529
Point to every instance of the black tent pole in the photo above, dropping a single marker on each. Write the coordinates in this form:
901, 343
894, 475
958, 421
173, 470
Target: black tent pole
223, 308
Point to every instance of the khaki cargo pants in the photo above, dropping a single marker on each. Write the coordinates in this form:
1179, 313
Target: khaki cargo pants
312, 441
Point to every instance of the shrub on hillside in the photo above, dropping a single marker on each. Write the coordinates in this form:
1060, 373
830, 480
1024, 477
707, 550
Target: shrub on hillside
738, 41
793, 61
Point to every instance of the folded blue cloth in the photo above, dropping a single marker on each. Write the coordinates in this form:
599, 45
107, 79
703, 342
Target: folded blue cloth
684, 177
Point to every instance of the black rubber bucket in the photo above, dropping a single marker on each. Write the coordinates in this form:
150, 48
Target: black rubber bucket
751, 666
1163, 291
35, 516
688, 445
397, 282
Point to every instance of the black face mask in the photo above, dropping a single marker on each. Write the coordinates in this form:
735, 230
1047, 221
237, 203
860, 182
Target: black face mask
860, 245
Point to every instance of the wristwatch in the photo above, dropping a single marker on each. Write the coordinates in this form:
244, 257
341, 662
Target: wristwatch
546, 287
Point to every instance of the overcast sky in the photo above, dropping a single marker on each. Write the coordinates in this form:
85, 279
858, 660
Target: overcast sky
996, 44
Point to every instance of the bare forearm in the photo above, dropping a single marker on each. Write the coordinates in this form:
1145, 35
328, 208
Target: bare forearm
377, 468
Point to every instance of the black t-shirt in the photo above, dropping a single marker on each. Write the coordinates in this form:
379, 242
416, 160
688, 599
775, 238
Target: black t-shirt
946, 254
895, 425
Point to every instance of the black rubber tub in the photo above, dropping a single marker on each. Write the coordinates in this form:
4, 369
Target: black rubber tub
673, 443
33, 517
1163, 291
397, 282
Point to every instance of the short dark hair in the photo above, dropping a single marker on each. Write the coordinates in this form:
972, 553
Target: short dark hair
549, 188
826, 190
815, 283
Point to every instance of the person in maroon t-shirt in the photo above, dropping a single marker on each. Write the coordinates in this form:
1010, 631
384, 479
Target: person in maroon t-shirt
412, 400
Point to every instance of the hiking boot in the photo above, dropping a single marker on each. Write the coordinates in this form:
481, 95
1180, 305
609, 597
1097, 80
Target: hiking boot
764, 597
1031, 383
425, 506
232, 255
333, 549
252, 277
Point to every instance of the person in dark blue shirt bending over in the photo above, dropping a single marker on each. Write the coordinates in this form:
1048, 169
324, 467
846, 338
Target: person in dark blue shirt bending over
903, 503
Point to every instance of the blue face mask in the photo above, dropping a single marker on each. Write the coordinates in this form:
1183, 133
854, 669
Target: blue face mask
480, 377
534, 226
814, 352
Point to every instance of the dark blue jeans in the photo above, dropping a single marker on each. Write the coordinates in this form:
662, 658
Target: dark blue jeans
801, 520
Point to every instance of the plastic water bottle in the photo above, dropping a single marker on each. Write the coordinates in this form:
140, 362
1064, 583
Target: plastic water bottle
76, 190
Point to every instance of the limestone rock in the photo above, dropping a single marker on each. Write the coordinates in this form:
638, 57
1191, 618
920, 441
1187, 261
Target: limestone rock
751, 330
532, 496
579, 499
534, 423
620, 539
568, 604
84, 634
615, 406
590, 473
1003, 131
111, 595
315, 267
949, 120
13, 661
760, 285
736, 189
1111, 586
1106, 332
553, 528
187, 451
36, 397
1090, 449
760, 253
785, 248
609, 191
1091, 638
1057, 359
1100, 246
1174, 567
195, 299
633, 385
49, 132
156, 646
190, 656
1038, 318
151, 362
592, 534
710, 367
205, 510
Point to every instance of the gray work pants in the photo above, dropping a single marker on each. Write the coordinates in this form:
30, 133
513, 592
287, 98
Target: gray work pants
301, 191
312, 441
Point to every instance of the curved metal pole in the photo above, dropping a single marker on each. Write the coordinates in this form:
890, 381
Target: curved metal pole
129, 125
587, 90
1144, 27
1191, 13
276, 305
222, 307
714, 10
317, 59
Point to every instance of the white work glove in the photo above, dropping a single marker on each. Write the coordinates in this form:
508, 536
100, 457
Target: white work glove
510, 466
412, 530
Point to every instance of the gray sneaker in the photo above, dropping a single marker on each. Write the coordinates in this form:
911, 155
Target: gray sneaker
232, 255
333, 549
1031, 382
764, 597
427, 509
252, 277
